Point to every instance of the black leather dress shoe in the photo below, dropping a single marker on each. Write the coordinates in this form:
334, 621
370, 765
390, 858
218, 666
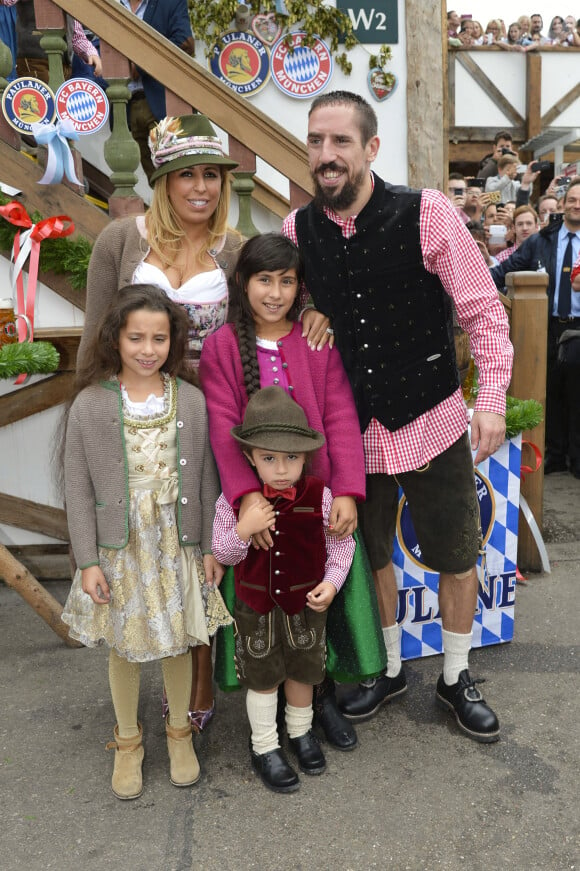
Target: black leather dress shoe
364, 702
473, 716
310, 757
335, 728
276, 772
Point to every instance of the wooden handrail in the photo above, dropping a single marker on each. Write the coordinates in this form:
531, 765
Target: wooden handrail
199, 88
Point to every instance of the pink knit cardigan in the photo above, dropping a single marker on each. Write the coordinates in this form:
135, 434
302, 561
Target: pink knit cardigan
321, 388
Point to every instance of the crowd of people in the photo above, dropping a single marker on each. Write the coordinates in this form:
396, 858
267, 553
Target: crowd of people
525, 34
516, 230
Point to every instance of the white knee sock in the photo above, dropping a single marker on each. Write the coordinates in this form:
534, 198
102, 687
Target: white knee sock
298, 720
261, 708
455, 655
392, 636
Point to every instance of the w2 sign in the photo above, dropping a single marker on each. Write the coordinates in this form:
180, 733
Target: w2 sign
372, 20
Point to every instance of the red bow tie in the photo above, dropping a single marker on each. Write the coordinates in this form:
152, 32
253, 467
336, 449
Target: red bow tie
271, 493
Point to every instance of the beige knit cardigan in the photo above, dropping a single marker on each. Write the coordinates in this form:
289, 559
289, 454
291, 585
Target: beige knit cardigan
96, 476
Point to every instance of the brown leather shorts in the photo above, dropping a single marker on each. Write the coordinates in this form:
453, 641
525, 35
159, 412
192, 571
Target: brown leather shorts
272, 647
444, 509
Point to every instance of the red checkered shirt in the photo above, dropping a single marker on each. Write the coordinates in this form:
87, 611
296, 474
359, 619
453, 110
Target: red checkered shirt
450, 252
503, 255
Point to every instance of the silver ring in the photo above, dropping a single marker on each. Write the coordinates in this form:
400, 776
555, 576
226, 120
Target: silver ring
330, 331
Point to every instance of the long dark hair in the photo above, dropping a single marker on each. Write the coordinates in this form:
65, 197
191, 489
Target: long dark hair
102, 358
102, 355
269, 252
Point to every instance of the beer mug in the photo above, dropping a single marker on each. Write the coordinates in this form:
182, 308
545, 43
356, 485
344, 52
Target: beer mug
8, 328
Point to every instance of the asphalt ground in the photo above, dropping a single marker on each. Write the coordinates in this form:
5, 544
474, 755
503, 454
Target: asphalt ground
416, 794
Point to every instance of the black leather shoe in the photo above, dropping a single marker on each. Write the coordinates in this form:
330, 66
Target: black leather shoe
337, 731
276, 773
310, 757
364, 702
473, 716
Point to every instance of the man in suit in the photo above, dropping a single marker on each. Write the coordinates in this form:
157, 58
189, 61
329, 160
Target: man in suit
554, 249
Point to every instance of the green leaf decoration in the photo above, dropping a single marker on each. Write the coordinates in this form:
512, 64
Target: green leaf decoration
28, 358
65, 256
209, 21
521, 414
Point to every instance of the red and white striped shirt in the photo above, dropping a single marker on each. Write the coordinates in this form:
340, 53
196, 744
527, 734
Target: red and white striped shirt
450, 252
229, 549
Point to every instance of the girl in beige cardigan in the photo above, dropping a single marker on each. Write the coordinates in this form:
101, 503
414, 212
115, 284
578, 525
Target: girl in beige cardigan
141, 485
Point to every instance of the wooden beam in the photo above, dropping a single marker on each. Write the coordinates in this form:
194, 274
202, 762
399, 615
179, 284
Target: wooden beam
46, 606
426, 137
528, 333
66, 341
24, 514
55, 199
492, 91
563, 103
533, 94
35, 398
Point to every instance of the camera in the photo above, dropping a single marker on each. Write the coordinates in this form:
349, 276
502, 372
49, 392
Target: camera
457, 192
507, 151
554, 218
563, 181
476, 183
540, 166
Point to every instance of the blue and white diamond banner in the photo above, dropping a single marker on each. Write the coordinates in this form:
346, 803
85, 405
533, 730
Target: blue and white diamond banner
497, 483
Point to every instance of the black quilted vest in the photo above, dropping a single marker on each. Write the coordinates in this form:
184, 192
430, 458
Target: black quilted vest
392, 319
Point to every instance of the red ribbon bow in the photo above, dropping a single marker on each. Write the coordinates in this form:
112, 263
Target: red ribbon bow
288, 493
29, 245
537, 455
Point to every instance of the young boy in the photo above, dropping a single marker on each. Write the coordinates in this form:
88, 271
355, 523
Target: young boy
282, 594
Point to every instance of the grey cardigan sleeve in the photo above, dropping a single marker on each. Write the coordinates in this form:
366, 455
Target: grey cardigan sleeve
80, 496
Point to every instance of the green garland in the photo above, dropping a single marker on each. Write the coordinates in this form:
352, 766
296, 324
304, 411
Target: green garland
520, 415
64, 256
29, 358
209, 21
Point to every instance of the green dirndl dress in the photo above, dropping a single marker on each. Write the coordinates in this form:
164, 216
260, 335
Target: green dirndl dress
355, 645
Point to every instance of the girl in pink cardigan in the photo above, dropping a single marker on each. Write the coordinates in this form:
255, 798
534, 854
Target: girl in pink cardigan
262, 345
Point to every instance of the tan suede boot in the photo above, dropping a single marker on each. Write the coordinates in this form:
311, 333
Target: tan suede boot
127, 781
183, 764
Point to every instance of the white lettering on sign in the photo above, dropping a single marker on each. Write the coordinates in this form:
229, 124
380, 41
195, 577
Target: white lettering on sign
366, 16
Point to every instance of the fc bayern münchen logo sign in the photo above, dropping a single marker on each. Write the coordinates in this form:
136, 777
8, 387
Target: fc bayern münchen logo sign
301, 71
84, 104
241, 61
28, 101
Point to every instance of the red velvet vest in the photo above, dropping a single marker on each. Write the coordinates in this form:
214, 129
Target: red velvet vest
295, 564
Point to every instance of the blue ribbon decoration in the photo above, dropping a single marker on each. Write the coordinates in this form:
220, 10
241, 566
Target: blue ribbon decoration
60, 160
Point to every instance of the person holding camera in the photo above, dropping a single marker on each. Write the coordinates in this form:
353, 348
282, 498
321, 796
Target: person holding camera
554, 249
456, 194
502, 144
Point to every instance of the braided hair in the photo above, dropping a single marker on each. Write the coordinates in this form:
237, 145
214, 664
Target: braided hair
269, 252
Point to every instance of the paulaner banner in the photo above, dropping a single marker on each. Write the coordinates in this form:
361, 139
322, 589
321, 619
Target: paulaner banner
498, 489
